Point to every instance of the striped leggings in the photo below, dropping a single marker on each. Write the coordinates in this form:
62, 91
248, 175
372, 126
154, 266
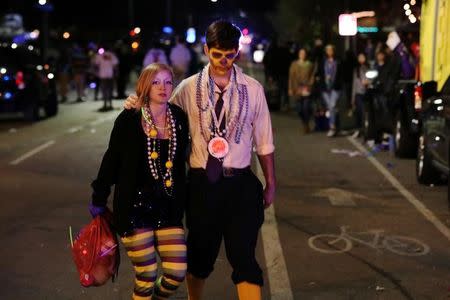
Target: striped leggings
171, 247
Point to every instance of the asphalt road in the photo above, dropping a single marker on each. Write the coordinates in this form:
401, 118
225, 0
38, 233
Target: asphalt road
325, 187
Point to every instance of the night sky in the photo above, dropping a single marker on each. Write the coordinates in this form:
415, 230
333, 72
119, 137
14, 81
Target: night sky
108, 20
149, 13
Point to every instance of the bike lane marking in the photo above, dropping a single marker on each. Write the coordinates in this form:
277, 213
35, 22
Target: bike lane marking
32, 152
428, 214
279, 283
339, 197
343, 242
75, 129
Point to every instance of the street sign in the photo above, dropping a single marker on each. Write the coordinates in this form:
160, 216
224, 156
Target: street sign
347, 25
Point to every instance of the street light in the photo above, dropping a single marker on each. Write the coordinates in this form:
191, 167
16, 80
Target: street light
45, 8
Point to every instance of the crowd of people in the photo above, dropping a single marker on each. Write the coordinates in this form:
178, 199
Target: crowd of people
316, 82
106, 68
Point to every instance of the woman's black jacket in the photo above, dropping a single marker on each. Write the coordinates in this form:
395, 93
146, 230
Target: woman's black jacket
120, 167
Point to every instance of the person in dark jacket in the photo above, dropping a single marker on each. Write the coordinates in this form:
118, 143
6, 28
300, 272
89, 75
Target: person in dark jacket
359, 88
145, 160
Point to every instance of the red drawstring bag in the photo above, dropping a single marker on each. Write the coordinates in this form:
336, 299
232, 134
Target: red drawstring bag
96, 252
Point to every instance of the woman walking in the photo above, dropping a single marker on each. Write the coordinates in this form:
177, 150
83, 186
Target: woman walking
145, 160
301, 79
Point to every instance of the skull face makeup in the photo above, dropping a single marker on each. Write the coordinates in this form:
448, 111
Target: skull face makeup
221, 61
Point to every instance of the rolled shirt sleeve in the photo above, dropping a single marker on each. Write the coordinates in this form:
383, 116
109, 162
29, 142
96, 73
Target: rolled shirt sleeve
262, 126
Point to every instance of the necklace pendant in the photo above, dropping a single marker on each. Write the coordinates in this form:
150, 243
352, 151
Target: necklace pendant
153, 132
154, 155
218, 147
168, 183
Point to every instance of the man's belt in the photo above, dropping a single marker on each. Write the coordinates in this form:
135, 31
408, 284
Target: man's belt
227, 172
231, 172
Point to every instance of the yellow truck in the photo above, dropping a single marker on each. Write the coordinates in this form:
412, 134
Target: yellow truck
432, 95
434, 41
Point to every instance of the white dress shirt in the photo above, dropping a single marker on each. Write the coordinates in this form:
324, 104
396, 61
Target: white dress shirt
256, 133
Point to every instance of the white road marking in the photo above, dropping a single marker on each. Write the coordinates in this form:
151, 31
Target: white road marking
339, 197
74, 129
280, 286
408, 195
32, 152
101, 120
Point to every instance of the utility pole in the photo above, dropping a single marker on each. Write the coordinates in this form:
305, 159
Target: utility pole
168, 12
131, 13
45, 36
45, 8
347, 38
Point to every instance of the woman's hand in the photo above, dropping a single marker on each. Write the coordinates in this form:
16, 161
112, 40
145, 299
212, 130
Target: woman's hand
96, 210
132, 102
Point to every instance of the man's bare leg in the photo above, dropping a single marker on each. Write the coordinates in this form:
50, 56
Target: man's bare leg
194, 286
248, 291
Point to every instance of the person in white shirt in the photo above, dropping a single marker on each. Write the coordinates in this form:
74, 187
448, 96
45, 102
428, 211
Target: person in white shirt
106, 62
228, 117
154, 55
180, 57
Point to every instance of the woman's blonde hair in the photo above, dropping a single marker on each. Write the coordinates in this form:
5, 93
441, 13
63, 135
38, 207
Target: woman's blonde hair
144, 83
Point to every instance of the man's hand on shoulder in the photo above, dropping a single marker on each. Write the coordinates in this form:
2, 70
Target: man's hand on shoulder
132, 102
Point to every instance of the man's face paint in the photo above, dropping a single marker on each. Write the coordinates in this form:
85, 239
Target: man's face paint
221, 61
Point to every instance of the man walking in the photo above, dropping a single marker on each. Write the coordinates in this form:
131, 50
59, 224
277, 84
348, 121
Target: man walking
228, 116
106, 62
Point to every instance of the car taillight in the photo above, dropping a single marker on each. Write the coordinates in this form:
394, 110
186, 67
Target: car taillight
20, 81
418, 97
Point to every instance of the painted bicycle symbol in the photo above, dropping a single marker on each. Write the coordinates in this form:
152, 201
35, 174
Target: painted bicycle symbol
334, 243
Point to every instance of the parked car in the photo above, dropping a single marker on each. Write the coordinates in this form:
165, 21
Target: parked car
26, 83
432, 163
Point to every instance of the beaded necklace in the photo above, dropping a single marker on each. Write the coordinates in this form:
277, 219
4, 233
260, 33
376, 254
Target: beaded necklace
154, 149
205, 107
